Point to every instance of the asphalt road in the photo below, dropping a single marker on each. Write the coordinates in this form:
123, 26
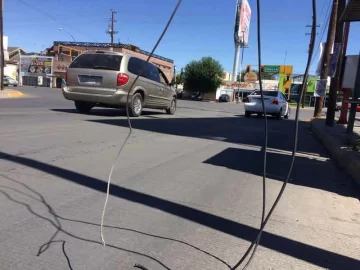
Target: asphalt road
186, 192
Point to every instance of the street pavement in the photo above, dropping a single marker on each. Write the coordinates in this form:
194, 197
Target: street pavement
186, 192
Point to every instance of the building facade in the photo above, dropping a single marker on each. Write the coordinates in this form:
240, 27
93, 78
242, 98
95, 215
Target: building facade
64, 52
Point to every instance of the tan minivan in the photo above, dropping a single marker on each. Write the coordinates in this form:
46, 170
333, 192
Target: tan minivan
103, 79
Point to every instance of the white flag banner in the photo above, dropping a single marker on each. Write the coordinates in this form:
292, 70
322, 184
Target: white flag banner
318, 68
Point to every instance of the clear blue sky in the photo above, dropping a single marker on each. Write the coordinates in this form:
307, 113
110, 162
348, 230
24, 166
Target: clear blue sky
200, 28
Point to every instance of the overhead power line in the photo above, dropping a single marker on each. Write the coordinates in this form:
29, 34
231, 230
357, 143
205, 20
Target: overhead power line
48, 15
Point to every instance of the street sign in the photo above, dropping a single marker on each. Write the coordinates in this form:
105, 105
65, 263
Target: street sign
272, 69
250, 77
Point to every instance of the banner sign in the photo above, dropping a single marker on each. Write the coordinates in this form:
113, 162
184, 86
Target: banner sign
320, 90
334, 60
242, 23
34, 65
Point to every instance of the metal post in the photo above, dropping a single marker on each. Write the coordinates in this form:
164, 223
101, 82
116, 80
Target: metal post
112, 27
2, 60
111, 31
355, 97
326, 58
175, 77
344, 107
236, 62
334, 85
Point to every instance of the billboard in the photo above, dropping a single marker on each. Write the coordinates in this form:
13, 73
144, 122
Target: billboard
34, 65
242, 23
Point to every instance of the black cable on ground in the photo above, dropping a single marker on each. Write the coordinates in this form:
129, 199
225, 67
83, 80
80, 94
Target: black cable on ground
128, 117
312, 41
265, 132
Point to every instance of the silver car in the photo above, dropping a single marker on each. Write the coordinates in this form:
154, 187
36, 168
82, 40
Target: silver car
10, 81
275, 104
104, 79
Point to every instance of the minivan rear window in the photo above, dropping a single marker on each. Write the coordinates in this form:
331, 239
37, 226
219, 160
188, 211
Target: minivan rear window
97, 61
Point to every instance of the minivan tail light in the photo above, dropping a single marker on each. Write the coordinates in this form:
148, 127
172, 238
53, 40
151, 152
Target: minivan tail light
275, 101
122, 79
66, 76
246, 100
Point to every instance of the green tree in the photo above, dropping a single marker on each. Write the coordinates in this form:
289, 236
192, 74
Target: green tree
203, 76
179, 79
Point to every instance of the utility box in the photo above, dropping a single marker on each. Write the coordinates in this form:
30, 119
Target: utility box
351, 66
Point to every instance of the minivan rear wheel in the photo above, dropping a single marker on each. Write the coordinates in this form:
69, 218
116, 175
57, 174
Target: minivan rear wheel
83, 107
136, 105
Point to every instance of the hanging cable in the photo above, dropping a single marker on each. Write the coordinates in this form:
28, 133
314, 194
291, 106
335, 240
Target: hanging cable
128, 117
265, 132
326, 22
296, 131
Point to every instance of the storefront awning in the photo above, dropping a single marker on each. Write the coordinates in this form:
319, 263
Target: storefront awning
352, 12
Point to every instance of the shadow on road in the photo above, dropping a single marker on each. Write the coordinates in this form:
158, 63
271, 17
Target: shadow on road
35, 195
249, 131
108, 112
314, 255
56, 223
308, 172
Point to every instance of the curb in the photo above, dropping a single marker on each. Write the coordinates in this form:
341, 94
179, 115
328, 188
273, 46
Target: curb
348, 160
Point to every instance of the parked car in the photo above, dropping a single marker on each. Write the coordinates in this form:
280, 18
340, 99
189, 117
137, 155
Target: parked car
224, 98
98, 78
10, 81
196, 96
338, 106
275, 104
357, 107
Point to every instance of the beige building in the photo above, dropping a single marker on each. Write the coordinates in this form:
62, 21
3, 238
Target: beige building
11, 67
64, 52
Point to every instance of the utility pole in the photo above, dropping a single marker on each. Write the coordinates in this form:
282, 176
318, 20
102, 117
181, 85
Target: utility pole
2, 45
111, 31
326, 57
335, 82
305, 88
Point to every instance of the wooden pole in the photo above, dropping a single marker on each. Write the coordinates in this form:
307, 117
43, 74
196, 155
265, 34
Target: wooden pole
326, 57
334, 85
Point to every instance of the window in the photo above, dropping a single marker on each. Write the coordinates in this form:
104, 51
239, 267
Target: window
153, 73
136, 65
163, 78
97, 61
266, 93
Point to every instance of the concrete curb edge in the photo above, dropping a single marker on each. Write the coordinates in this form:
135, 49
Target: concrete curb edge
345, 159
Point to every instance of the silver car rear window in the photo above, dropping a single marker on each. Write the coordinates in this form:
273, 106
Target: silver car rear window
97, 61
266, 93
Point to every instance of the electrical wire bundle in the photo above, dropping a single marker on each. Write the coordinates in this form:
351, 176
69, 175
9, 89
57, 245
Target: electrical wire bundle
264, 220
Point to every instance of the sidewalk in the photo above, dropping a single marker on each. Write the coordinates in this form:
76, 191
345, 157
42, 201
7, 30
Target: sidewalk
340, 145
11, 93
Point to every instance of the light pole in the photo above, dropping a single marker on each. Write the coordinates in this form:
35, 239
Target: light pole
62, 29
175, 77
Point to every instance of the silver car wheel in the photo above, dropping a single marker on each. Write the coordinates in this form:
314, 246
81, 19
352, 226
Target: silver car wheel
173, 105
